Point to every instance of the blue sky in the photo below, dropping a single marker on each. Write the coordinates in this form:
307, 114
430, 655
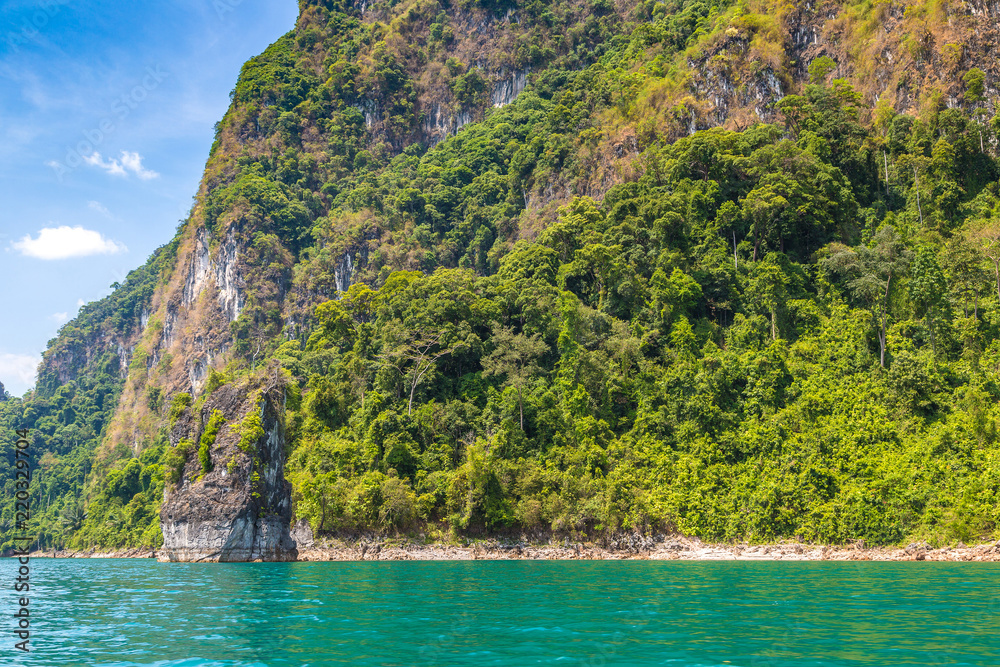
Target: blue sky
106, 119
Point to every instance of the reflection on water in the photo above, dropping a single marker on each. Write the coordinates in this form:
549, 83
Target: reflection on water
132, 612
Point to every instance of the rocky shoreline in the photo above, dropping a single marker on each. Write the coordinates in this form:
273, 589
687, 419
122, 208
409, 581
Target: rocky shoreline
623, 548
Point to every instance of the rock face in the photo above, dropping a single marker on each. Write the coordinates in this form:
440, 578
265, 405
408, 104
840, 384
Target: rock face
506, 90
303, 535
241, 510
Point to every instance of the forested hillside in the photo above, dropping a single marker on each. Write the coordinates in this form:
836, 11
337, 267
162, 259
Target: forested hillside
730, 269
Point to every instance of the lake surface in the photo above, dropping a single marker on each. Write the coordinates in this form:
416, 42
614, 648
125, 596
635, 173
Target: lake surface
579, 613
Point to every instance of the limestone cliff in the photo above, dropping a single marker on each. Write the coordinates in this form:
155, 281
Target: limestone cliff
240, 510
909, 56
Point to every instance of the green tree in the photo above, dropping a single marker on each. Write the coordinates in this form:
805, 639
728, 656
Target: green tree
515, 357
974, 85
974, 88
414, 353
820, 68
987, 236
768, 286
870, 274
927, 287
966, 275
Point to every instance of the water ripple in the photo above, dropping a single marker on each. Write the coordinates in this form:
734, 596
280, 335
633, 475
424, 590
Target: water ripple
138, 613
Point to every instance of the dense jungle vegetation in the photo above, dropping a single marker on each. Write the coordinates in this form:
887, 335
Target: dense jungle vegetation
574, 315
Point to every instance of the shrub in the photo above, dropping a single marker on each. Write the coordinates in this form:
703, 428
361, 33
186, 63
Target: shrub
208, 439
175, 459
177, 406
250, 431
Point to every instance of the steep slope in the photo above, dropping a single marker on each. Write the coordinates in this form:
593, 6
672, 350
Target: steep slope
487, 274
906, 56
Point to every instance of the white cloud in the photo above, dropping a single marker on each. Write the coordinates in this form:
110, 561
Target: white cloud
129, 162
17, 372
113, 167
133, 162
64, 242
60, 318
81, 302
100, 208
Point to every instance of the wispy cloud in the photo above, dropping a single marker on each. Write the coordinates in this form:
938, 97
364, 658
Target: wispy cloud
100, 208
133, 162
127, 163
65, 242
60, 318
113, 167
17, 372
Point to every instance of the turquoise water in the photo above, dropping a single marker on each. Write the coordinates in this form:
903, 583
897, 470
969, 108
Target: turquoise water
566, 613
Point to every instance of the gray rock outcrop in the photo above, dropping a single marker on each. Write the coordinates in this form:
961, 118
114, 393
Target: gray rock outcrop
241, 510
303, 535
